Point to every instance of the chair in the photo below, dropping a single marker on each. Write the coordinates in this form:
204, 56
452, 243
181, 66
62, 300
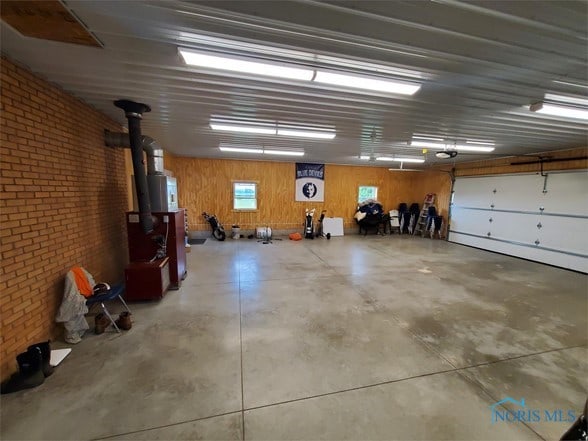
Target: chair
431, 215
84, 282
415, 212
113, 293
403, 217
394, 221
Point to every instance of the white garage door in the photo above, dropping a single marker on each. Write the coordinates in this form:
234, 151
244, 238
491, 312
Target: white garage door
525, 216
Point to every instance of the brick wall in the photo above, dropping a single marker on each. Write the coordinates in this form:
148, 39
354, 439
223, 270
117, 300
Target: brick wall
62, 203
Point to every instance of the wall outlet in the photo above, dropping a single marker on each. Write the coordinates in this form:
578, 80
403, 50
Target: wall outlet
165, 219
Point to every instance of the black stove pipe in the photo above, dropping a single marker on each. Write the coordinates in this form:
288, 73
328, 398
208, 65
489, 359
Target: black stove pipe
134, 113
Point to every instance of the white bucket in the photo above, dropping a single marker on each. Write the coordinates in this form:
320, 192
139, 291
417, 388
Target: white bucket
264, 233
236, 232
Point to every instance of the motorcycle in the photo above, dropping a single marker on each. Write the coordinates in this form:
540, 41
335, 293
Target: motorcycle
218, 230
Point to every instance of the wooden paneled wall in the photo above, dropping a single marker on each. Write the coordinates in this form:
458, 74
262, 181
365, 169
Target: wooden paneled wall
437, 182
206, 185
503, 165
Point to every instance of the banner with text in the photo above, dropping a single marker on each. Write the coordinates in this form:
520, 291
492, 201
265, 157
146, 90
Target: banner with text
310, 182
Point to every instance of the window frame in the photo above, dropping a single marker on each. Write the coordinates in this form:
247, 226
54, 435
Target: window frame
237, 182
366, 186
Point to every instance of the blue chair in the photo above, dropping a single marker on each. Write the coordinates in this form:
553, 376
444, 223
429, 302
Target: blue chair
113, 293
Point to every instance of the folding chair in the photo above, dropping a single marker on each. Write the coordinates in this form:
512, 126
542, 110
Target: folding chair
86, 280
113, 293
431, 214
394, 221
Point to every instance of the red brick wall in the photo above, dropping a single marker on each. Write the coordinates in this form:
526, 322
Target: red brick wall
62, 203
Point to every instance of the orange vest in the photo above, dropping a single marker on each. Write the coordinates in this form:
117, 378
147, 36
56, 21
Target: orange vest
82, 281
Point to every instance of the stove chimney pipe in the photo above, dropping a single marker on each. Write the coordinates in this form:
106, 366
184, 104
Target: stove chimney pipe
134, 113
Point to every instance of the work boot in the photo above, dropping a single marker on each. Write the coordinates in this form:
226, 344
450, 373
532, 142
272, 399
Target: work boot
101, 322
30, 374
124, 321
45, 349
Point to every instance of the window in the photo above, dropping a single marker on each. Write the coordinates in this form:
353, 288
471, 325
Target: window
244, 196
367, 192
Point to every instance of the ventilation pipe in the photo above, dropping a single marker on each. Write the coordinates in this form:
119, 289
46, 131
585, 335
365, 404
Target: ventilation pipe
134, 113
153, 150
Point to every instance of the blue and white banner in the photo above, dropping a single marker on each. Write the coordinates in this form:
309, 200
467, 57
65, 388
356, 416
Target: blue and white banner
310, 182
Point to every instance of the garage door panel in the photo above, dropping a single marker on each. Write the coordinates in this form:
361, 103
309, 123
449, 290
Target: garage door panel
514, 227
562, 194
473, 193
470, 221
565, 233
528, 188
505, 226
577, 263
525, 221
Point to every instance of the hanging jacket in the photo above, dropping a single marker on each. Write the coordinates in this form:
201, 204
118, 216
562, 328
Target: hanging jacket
73, 308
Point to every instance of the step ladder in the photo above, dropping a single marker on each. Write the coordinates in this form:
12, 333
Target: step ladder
421, 223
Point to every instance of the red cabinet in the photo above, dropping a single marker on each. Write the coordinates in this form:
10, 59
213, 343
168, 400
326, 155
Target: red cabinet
143, 247
147, 280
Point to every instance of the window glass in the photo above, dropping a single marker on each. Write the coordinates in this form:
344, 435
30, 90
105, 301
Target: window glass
367, 192
244, 196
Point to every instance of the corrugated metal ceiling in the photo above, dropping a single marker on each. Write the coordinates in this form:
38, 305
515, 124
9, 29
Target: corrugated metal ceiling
481, 65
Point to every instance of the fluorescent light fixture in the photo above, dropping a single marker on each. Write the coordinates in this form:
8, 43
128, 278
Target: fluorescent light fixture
564, 99
268, 128
364, 157
201, 59
425, 144
241, 64
485, 143
556, 110
283, 152
472, 148
462, 147
243, 128
400, 159
303, 133
362, 65
414, 160
357, 82
427, 138
240, 150
256, 150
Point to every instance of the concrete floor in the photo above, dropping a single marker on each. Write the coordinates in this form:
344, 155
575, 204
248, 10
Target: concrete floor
353, 338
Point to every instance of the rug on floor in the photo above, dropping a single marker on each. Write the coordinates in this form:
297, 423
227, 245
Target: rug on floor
196, 241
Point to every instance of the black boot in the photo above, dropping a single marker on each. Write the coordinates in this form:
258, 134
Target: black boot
30, 365
45, 349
